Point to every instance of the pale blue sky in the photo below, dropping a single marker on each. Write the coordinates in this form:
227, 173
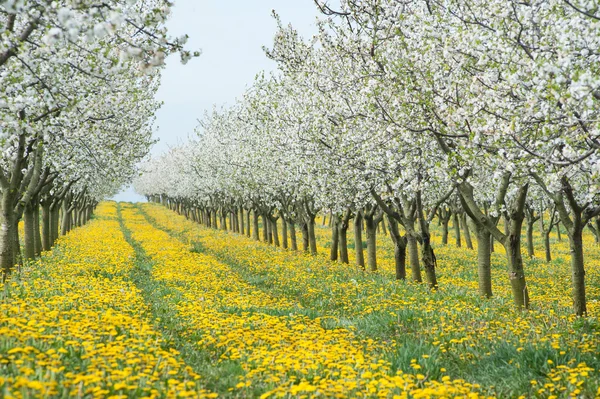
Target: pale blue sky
230, 34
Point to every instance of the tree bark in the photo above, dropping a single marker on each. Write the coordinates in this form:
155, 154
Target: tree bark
46, 226
457, 230
445, 222
512, 244
29, 226
577, 269
54, 217
358, 247
241, 222
343, 237
255, 231
333, 249
274, 231
36, 228
305, 239
484, 264
265, 228
311, 234
530, 249
427, 253
399, 249
248, 233
547, 245
371, 225
7, 234
284, 233
293, 240
466, 231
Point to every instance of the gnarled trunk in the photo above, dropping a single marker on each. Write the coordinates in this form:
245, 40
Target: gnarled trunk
399, 249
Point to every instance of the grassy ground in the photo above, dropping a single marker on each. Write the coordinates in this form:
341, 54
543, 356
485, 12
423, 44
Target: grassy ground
144, 303
543, 352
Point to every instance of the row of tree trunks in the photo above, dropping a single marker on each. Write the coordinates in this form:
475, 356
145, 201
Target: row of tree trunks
471, 215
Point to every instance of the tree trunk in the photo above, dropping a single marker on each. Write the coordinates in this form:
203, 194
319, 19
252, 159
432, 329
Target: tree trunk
284, 233
530, 249
255, 231
241, 223
547, 245
269, 227
558, 232
333, 250
516, 274
7, 235
29, 226
371, 242
66, 218
445, 222
457, 230
343, 240
293, 240
248, 233
413, 256
305, 240
46, 227
36, 229
312, 239
17, 245
358, 247
577, 268
466, 231
274, 232
484, 269
223, 221
265, 228
427, 253
54, 214
399, 249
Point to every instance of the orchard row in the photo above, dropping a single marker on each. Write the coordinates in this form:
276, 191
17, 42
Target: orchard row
77, 81
412, 111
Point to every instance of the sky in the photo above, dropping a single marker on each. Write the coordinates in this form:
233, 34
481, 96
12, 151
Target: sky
230, 35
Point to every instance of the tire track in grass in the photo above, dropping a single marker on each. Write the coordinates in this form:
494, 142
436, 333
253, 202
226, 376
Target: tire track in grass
163, 301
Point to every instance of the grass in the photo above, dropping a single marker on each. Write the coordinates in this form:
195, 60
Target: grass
506, 369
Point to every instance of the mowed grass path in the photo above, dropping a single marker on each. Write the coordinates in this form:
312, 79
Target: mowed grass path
144, 303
